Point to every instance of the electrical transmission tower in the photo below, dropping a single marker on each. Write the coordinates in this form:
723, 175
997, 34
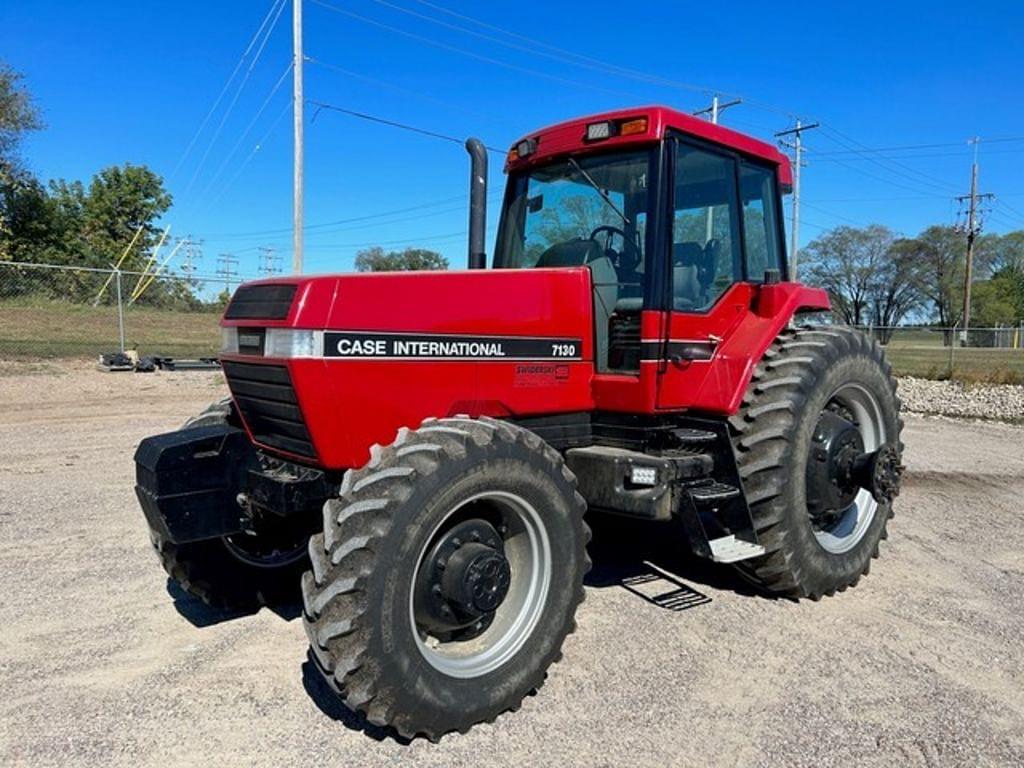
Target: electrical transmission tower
972, 228
270, 261
192, 252
798, 147
228, 269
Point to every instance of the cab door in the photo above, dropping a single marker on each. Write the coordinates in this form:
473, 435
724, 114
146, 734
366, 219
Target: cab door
725, 236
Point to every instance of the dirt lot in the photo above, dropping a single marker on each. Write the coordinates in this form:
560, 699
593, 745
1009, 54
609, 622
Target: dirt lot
674, 663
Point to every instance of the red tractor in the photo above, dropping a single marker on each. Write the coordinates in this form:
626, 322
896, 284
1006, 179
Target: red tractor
419, 450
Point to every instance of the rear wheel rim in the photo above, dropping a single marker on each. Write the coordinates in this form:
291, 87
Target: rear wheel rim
853, 523
528, 549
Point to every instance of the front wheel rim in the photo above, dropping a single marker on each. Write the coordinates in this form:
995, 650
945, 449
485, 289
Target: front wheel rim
528, 549
853, 522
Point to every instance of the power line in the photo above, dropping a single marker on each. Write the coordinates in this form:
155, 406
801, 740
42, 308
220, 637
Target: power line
224, 90
470, 54
382, 214
865, 152
394, 124
902, 147
401, 89
227, 158
255, 150
557, 54
238, 92
612, 68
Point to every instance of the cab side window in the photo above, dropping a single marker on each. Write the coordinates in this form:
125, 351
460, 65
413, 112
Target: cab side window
706, 256
760, 220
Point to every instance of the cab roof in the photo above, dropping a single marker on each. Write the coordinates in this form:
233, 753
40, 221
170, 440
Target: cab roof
570, 136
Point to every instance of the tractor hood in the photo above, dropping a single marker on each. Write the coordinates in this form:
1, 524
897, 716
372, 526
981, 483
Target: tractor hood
322, 367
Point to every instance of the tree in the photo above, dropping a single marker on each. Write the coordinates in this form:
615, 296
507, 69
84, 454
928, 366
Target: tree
896, 289
18, 116
19, 190
119, 201
944, 255
411, 259
852, 265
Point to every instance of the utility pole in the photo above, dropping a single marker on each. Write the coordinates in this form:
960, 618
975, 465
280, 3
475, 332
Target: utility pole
713, 112
227, 269
297, 161
269, 261
716, 108
798, 147
972, 229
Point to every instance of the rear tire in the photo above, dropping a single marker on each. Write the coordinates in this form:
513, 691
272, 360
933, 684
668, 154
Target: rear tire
233, 573
362, 613
806, 372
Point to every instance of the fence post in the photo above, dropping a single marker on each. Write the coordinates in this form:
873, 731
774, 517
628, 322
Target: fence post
952, 347
120, 309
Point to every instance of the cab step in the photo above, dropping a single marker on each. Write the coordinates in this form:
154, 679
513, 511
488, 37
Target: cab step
729, 549
691, 436
713, 493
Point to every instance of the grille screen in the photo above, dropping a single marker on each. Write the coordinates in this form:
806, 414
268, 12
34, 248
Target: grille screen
267, 402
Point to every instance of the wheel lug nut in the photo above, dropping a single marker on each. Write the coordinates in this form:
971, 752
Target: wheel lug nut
436, 590
475, 536
457, 541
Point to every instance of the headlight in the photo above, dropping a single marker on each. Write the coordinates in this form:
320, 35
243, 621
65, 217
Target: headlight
290, 342
229, 341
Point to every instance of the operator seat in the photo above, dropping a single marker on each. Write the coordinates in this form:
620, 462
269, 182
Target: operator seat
603, 277
688, 292
631, 281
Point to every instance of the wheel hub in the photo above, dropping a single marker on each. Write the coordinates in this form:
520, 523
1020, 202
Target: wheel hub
463, 580
832, 483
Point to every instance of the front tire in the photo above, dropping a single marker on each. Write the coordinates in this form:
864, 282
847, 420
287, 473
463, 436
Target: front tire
809, 375
447, 576
240, 572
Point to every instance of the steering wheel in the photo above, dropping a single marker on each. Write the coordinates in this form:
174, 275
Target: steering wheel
611, 231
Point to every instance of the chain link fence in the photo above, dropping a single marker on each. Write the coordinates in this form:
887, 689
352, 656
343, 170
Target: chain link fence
49, 311
994, 355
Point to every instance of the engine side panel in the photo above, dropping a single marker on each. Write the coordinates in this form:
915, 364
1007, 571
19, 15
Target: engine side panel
402, 347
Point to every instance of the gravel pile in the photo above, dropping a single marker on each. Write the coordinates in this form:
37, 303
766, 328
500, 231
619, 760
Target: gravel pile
951, 398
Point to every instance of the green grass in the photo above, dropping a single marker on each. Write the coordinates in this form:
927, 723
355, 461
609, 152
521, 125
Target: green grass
995, 366
40, 329
53, 329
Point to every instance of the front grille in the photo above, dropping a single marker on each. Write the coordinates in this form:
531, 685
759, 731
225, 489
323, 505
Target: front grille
261, 302
267, 402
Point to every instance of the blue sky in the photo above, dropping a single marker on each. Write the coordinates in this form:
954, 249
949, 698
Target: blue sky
121, 81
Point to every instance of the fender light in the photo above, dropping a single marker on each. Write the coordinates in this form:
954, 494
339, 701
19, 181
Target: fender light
278, 342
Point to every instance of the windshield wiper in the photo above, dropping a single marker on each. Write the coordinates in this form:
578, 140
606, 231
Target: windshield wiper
601, 192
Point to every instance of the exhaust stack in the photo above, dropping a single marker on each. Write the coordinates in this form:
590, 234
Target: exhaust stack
477, 203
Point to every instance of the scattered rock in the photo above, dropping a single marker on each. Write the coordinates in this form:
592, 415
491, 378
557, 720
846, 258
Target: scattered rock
1004, 402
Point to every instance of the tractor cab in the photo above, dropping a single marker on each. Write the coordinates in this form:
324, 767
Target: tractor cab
678, 220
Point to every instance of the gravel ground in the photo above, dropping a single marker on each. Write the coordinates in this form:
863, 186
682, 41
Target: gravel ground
1003, 402
675, 662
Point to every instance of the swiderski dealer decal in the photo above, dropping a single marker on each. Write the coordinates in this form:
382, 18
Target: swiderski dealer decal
402, 346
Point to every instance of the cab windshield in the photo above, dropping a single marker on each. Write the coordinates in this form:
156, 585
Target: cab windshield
582, 211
